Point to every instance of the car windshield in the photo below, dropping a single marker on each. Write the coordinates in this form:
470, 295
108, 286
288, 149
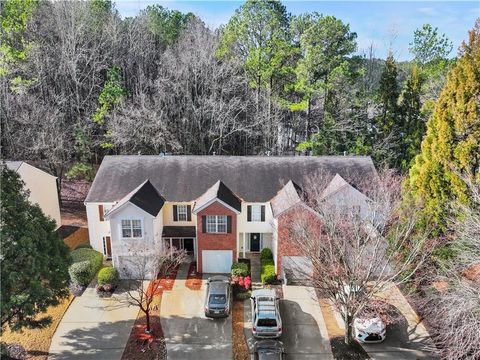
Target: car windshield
267, 322
217, 299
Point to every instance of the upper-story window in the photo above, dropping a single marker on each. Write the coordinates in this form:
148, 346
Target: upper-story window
256, 213
182, 213
132, 229
216, 223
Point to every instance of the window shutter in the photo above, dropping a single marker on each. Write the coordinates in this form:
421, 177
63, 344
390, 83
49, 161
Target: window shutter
204, 224
263, 213
100, 212
175, 214
189, 212
229, 224
249, 213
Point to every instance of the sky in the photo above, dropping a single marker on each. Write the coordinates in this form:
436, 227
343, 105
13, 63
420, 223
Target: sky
385, 24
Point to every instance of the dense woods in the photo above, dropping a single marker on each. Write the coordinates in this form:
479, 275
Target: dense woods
79, 82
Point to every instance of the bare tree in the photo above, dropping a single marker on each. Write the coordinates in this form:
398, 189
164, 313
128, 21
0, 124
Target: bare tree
140, 291
455, 312
345, 239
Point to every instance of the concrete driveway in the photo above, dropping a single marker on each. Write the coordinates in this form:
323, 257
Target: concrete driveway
94, 328
188, 333
304, 335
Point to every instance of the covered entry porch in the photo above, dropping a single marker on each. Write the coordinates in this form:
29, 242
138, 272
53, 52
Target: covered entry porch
253, 243
181, 237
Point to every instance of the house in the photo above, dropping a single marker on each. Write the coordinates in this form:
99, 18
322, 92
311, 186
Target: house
218, 208
42, 186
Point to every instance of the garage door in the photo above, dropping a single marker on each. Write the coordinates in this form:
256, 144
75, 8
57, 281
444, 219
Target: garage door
216, 261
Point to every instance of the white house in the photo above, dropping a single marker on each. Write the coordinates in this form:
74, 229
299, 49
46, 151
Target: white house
42, 187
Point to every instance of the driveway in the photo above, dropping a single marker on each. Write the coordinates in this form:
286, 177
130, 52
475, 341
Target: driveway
304, 335
94, 328
188, 333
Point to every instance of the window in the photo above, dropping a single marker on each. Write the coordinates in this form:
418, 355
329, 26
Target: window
132, 229
182, 212
256, 213
216, 223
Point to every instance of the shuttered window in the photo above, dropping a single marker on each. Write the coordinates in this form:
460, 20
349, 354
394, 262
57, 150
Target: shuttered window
216, 223
182, 213
256, 213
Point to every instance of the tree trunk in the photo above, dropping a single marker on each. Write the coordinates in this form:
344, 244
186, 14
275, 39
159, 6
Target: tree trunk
147, 316
348, 329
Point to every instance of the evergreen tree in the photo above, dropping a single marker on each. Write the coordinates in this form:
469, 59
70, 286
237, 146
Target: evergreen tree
386, 126
412, 122
34, 261
451, 147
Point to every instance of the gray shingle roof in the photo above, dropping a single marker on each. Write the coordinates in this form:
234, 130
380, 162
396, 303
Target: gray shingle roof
185, 178
286, 198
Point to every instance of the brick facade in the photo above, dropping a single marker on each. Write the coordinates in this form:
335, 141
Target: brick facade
208, 241
285, 245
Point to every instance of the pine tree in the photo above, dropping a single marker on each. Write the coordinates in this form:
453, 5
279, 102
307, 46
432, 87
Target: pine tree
451, 147
412, 122
34, 267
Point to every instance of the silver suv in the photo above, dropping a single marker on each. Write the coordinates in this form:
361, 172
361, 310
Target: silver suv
266, 320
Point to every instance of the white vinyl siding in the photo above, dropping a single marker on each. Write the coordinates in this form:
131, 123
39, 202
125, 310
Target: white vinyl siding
216, 223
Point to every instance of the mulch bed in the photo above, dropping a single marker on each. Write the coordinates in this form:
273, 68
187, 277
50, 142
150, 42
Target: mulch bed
342, 351
142, 346
194, 279
240, 348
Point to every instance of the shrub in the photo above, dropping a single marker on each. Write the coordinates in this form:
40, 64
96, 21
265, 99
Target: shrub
108, 276
239, 269
86, 263
266, 254
268, 275
83, 246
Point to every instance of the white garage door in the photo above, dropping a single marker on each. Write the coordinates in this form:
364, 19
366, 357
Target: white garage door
216, 261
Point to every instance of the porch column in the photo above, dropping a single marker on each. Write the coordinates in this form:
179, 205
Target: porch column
244, 244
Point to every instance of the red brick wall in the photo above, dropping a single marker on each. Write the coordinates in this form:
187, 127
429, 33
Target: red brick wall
206, 241
285, 245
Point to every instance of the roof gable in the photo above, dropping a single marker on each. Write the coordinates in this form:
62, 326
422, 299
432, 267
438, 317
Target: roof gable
218, 192
286, 198
145, 197
337, 185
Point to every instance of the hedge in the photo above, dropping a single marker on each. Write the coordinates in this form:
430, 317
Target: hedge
266, 254
108, 276
239, 269
268, 275
86, 263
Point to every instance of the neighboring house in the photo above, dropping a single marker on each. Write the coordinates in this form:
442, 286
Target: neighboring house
218, 208
42, 187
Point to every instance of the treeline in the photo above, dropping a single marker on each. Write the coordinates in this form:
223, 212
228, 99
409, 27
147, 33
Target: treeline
79, 82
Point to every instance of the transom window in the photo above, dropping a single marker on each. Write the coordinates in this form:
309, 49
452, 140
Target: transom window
182, 212
256, 212
216, 223
132, 229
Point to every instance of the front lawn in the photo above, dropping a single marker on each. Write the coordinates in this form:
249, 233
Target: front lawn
37, 341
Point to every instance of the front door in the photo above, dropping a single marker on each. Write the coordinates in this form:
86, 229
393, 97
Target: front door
107, 247
255, 242
188, 245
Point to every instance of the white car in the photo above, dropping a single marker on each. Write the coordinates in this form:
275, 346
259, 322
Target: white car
371, 330
266, 320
